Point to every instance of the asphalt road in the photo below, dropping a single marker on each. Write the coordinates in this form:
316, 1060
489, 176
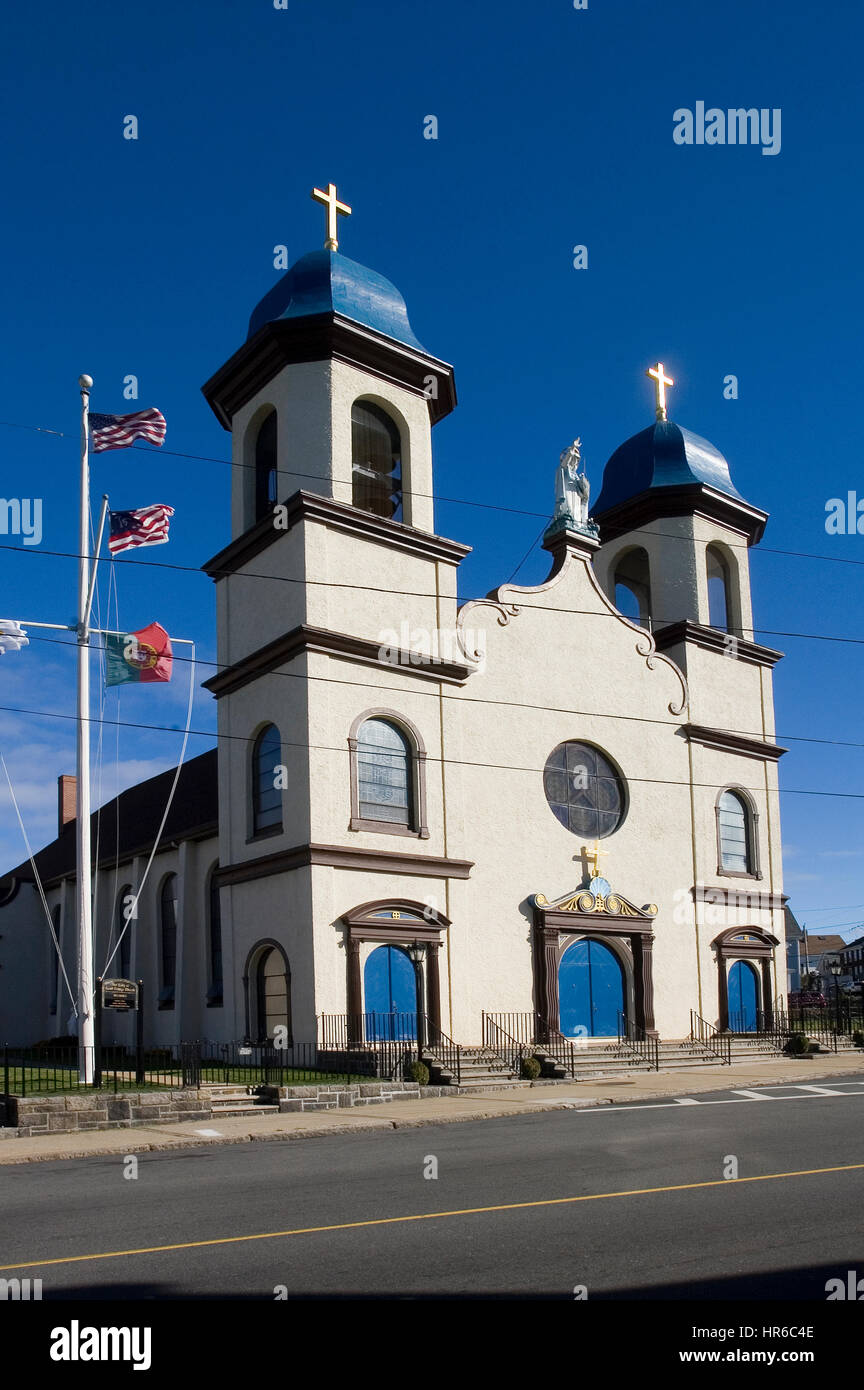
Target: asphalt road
657, 1216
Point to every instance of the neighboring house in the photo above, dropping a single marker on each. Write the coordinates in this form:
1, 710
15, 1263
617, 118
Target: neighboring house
794, 939
543, 795
852, 956
817, 955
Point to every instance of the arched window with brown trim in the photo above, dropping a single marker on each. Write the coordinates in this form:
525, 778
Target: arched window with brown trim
266, 793
719, 590
736, 834
388, 775
214, 942
266, 473
168, 941
376, 461
632, 586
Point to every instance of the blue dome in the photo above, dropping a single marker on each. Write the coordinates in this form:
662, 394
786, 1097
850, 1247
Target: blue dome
664, 455
323, 282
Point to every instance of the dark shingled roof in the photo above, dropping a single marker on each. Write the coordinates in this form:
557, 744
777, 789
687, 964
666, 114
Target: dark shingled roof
193, 815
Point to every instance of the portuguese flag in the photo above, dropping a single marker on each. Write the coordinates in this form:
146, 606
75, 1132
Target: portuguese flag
143, 656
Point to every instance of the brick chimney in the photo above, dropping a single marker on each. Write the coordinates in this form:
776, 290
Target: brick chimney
66, 788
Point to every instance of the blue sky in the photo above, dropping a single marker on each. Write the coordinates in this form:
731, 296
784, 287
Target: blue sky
555, 129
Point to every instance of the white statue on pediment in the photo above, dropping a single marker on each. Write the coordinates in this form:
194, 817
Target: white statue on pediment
572, 488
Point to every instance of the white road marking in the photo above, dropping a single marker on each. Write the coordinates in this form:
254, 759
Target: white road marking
754, 1095
821, 1090
733, 1099
686, 1100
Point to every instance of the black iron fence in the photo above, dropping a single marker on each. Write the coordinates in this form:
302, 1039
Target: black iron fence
377, 1045
43, 1069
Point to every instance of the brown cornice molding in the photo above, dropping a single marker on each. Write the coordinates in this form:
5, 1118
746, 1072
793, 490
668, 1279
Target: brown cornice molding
682, 499
304, 638
729, 742
711, 639
319, 338
750, 899
339, 516
345, 857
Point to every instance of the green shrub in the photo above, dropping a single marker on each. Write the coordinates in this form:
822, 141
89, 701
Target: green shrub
419, 1072
530, 1068
797, 1044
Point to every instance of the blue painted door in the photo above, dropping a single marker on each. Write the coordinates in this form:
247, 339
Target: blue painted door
390, 995
590, 991
743, 997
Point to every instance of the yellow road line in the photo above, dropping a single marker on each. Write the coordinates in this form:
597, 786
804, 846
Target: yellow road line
433, 1216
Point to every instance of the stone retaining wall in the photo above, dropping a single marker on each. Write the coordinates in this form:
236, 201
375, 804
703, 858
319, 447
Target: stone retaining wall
344, 1097
79, 1110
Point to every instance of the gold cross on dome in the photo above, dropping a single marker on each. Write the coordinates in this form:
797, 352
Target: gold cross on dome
661, 381
334, 207
594, 857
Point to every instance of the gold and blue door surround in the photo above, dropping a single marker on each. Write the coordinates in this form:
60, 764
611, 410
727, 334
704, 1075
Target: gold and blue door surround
621, 932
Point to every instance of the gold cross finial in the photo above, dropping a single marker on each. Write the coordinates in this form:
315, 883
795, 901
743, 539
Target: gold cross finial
334, 207
594, 858
661, 381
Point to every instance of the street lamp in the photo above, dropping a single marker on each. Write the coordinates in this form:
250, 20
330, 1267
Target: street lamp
417, 955
835, 965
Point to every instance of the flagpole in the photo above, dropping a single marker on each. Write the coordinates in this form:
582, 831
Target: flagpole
86, 1022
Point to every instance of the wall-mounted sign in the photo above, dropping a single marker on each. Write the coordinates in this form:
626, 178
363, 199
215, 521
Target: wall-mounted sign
119, 994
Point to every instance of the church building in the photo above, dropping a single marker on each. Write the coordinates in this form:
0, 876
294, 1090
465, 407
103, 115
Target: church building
556, 803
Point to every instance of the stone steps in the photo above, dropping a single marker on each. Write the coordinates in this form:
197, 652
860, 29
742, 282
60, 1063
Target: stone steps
236, 1100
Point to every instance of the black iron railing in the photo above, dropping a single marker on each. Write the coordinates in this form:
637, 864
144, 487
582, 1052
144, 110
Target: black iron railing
442, 1048
638, 1042
504, 1044
524, 1028
720, 1044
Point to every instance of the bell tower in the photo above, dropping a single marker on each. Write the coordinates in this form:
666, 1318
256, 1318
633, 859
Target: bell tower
330, 402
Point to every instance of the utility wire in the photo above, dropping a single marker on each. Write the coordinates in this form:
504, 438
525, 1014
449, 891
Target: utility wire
484, 700
439, 497
430, 758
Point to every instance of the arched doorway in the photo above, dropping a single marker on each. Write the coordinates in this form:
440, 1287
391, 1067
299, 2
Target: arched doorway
743, 997
590, 991
268, 993
390, 992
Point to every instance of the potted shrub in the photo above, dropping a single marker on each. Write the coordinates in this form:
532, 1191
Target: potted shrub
530, 1069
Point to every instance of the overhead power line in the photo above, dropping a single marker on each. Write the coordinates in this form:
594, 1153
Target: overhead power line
430, 758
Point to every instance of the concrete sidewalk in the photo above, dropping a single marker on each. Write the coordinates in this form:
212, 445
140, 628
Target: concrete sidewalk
639, 1086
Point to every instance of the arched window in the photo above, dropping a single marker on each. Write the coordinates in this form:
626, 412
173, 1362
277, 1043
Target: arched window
55, 960
168, 941
735, 834
385, 773
268, 993
266, 796
214, 941
376, 457
122, 963
633, 587
265, 467
719, 605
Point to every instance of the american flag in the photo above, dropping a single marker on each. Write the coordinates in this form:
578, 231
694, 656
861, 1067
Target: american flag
121, 431
145, 526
